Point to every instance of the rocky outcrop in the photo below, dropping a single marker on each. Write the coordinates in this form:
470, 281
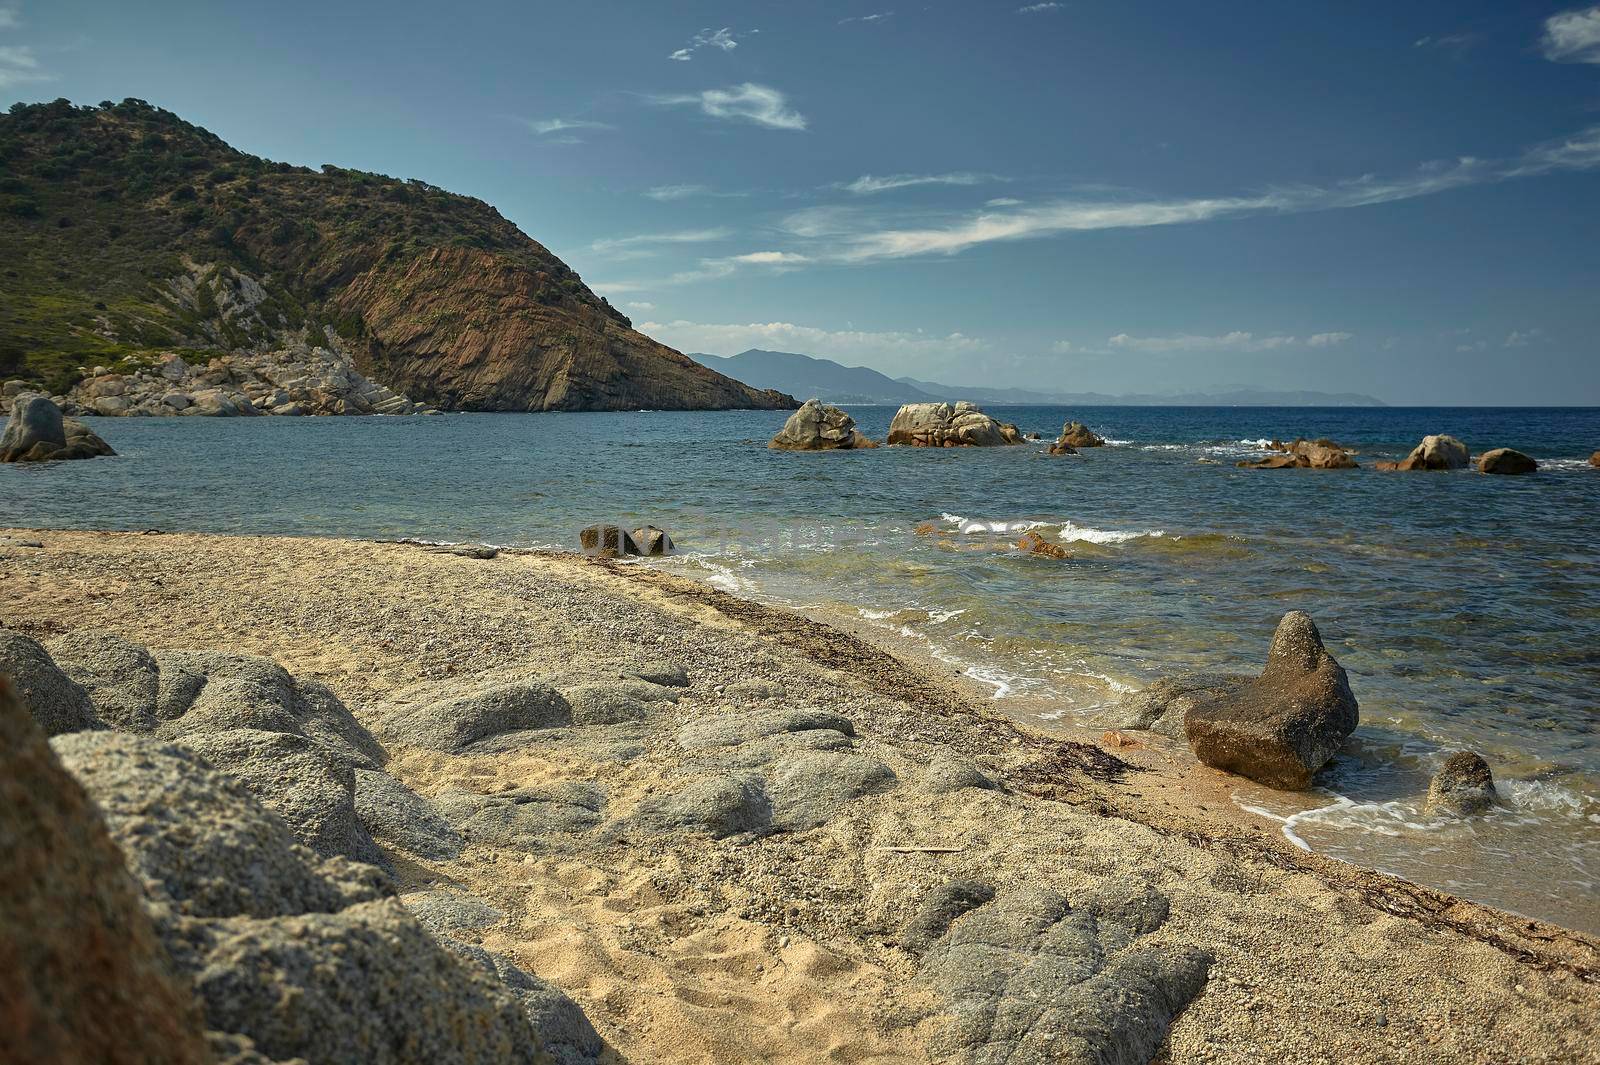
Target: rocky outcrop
1163, 705
1075, 435
1594, 460
1463, 787
1281, 727
1034, 544
1434, 453
37, 432
83, 977
815, 427
1033, 976
317, 376
469, 329
57, 703
1304, 454
943, 425
1506, 461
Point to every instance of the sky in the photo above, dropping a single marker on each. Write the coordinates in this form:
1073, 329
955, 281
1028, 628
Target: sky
1401, 200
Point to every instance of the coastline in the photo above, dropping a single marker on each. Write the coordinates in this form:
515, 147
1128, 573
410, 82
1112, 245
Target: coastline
663, 942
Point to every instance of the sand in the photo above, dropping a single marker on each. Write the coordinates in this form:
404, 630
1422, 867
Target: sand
788, 948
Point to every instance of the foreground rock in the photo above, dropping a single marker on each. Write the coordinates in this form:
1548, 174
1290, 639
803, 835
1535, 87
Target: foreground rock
943, 425
652, 541
816, 427
36, 432
1434, 453
1284, 725
1463, 787
307, 957
1320, 454
1073, 436
1594, 460
1163, 706
1505, 460
82, 975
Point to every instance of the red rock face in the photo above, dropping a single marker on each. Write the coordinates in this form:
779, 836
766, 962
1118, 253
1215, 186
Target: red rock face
467, 329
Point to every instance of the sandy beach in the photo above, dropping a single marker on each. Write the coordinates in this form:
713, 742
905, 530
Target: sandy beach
806, 942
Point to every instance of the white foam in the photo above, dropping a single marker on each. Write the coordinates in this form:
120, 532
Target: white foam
973, 528
1073, 533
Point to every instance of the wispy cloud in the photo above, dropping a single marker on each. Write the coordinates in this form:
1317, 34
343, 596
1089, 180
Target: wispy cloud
1002, 201
18, 64
749, 102
1578, 152
544, 127
666, 193
724, 40
682, 236
867, 183
1234, 341
908, 348
10, 18
1573, 36
879, 17
1522, 338
771, 258
640, 305
1457, 43
1036, 9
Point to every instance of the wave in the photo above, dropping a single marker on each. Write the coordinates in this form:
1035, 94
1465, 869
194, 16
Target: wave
1069, 531
1072, 533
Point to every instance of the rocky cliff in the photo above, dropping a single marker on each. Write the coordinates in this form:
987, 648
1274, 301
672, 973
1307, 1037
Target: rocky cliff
129, 234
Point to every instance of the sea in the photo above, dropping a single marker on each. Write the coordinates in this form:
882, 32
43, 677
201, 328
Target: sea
1465, 608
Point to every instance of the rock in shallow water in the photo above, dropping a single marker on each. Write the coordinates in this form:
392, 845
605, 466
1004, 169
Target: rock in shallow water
817, 427
36, 432
1462, 787
1506, 461
941, 425
1281, 727
1439, 452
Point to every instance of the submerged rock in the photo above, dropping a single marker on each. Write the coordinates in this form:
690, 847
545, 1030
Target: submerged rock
1594, 460
1434, 453
1505, 460
36, 432
1073, 436
1281, 727
1163, 705
1462, 787
817, 427
608, 541
1034, 544
83, 977
941, 425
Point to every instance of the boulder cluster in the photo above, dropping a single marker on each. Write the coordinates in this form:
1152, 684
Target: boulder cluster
37, 432
817, 427
944, 425
1442, 452
296, 381
1322, 454
613, 541
195, 874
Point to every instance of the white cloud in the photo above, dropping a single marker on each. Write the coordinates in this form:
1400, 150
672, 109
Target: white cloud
1234, 341
1573, 36
879, 17
1002, 201
1063, 347
723, 40
1579, 152
682, 236
1034, 9
867, 184
1458, 43
667, 193
545, 126
1327, 340
1522, 338
18, 65
10, 18
640, 305
771, 258
761, 104
908, 349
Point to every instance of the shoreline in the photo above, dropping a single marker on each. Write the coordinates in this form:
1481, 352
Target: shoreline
1291, 929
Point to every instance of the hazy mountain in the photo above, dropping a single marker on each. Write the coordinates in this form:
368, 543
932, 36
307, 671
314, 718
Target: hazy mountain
805, 376
822, 378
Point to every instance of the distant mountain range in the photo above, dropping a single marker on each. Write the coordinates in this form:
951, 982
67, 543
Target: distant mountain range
805, 376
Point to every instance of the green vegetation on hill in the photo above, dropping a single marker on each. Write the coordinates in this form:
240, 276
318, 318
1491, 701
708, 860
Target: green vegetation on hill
125, 230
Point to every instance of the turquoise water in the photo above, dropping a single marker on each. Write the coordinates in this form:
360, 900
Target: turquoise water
1465, 608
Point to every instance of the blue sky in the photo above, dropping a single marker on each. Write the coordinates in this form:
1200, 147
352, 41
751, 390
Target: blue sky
1402, 200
